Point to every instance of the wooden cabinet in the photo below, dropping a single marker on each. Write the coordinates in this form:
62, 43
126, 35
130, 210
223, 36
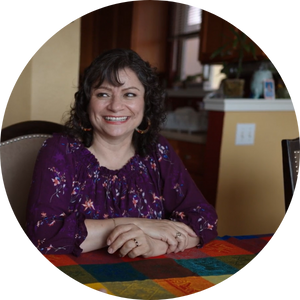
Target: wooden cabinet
139, 25
192, 156
214, 33
202, 160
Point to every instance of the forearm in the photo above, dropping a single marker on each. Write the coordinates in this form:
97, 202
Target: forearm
98, 231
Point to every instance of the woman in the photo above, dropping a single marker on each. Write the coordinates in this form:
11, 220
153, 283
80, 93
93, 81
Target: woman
112, 180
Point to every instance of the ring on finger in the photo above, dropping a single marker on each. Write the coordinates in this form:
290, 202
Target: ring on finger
178, 234
136, 242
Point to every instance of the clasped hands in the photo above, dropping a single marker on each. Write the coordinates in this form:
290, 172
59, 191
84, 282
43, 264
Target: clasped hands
149, 238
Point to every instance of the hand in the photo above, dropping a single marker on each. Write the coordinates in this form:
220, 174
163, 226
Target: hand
175, 234
132, 241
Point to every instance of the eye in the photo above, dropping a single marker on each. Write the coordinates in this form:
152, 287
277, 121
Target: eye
130, 95
102, 95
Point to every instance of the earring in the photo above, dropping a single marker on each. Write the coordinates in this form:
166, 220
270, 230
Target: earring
146, 130
84, 128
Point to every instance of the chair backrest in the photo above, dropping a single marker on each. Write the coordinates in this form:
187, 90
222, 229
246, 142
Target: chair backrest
18, 155
290, 163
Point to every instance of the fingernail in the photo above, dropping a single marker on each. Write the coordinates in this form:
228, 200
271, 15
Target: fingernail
108, 242
110, 250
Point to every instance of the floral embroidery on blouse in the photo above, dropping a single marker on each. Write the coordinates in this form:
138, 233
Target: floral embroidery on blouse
88, 204
59, 182
72, 147
163, 153
156, 187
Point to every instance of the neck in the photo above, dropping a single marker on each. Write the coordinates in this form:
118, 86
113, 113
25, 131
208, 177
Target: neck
112, 154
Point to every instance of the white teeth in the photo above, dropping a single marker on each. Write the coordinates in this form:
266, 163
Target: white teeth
115, 118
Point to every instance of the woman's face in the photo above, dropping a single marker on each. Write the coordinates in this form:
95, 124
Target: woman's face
115, 112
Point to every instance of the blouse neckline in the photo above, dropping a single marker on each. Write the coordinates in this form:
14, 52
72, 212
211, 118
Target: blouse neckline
129, 166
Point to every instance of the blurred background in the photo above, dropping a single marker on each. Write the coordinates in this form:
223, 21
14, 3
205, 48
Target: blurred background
194, 52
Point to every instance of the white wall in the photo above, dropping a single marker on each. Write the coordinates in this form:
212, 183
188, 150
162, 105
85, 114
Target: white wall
46, 87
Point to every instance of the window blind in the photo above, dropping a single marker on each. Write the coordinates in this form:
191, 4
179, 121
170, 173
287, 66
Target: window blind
187, 19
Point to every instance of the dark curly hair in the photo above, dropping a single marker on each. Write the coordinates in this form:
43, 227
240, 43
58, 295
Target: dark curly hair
106, 67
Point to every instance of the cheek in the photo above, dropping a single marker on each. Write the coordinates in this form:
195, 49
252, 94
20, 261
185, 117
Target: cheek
93, 107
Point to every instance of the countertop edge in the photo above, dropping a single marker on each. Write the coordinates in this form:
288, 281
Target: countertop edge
198, 138
219, 104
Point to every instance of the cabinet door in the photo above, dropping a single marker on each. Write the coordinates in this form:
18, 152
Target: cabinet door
192, 155
214, 33
138, 25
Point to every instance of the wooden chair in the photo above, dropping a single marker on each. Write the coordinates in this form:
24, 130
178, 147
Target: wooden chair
290, 163
20, 144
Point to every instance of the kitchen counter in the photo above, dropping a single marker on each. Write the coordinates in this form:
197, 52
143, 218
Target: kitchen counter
198, 138
246, 104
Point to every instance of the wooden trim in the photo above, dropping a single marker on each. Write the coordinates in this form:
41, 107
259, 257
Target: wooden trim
212, 156
290, 165
104, 29
29, 127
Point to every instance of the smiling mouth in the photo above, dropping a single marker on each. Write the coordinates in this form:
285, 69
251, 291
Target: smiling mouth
116, 119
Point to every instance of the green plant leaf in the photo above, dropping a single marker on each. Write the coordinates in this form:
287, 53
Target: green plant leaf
232, 29
243, 36
247, 47
235, 43
253, 50
219, 51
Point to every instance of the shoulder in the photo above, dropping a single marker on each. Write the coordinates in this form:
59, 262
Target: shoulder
60, 138
162, 143
61, 149
162, 149
61, 141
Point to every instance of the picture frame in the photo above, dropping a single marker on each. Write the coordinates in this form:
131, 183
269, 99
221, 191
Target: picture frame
269, 89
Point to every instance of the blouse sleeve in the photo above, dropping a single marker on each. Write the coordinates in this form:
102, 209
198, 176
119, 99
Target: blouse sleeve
53, 222
183, 201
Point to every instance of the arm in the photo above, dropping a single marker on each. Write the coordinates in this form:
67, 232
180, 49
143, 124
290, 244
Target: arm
97, 233
53, 225
130, 240
183, 201
103, 233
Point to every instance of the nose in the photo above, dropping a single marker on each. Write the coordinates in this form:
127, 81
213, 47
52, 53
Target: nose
115, 103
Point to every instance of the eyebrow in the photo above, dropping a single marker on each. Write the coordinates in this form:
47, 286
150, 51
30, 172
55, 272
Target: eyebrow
109, 89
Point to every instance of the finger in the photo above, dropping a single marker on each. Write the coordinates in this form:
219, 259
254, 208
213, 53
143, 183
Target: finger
138, 250
181, 239
172, 242
118, 231
128, 247
182, 243
175, 247
168, 235
135, 253
124, 238
186, 228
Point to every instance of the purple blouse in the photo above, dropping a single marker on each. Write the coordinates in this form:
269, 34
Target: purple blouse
69, 186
